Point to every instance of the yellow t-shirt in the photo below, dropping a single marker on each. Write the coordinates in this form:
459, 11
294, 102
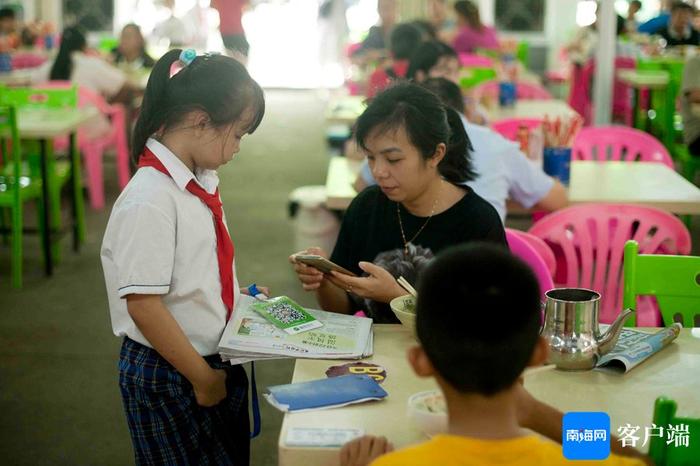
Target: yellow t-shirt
452, 450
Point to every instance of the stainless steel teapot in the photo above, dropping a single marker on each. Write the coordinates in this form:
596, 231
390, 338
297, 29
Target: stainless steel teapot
571, 328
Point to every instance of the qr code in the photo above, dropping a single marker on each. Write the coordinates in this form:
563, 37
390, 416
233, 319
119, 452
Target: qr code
285, 313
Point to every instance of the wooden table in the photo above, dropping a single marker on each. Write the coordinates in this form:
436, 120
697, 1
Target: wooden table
645, 183
45, 125
674, 372
531, 109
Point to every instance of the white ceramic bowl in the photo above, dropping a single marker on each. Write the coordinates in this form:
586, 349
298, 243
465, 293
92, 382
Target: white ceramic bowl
428, 412
404, 308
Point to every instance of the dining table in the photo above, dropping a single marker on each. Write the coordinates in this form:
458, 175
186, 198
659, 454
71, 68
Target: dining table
643, 183
628, 398
531, 108
44, 125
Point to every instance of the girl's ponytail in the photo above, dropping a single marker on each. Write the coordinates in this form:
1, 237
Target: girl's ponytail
154, 106
456, 166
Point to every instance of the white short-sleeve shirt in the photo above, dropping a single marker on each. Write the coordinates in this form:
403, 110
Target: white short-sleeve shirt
160, 239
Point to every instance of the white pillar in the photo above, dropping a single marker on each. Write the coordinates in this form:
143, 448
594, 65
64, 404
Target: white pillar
605, 62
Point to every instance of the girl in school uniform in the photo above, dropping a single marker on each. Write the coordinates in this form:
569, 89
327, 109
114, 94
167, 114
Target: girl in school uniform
169, 265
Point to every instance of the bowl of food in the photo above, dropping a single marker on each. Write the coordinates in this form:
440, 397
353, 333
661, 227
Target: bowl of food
404, 308
428, 411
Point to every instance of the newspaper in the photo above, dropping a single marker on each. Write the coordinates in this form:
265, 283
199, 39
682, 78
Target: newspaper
250, 337
635, 347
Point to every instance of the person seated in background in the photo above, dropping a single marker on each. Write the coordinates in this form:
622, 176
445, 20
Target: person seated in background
690, 105
438, 15
73, 64
26, 55
502, 171
472, 33
631, 24
405, 38
492, 419
439, 60
131, 50
8, 27
679, 30
374, 45
419, 154
655, 23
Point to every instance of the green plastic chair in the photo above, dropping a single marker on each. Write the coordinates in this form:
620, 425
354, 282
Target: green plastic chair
58, 170
522, 53
665, 453
15, 189
477, 76
673, 280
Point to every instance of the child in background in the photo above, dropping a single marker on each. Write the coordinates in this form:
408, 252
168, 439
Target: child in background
169, 265
477, 362
472, 33
26, 55
404, 41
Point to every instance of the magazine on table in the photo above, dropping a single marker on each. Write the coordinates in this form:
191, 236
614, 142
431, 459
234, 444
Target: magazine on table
636, 346
250, 337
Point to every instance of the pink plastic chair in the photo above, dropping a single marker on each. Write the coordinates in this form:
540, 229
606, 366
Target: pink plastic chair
621, 143
508, 128
544, 251
588, 242
473, 60
523, 90
521, 248
93, 148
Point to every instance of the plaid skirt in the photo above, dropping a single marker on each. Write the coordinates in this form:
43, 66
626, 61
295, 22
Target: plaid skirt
167, 425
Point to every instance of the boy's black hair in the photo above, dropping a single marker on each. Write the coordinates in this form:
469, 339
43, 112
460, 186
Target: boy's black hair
72, 40
404, 40
449, 92
427, 55
478, 317
7, 13
215, 84
28, 37
636, 2
427, 122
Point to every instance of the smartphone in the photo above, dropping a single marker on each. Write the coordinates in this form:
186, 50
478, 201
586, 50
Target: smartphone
322, 264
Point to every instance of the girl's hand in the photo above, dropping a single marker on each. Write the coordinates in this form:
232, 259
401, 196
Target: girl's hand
263, 289
362, 451
211, 391
379, 286
310, 277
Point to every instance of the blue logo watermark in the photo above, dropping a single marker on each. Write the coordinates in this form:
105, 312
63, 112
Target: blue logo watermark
586, 436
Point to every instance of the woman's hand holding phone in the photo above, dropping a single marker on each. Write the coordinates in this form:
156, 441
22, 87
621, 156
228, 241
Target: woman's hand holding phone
310, 277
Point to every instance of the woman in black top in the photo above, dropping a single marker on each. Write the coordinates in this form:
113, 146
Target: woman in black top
416, 150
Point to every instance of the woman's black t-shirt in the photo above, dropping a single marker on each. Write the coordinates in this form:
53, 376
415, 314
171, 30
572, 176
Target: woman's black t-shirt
371, 227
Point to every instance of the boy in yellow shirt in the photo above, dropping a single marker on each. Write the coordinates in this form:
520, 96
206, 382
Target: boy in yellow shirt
478, 318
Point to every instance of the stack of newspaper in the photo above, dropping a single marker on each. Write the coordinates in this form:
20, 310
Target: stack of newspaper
250, 337
636, 346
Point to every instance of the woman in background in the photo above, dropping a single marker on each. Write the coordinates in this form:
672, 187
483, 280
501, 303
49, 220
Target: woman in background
473, 34
132, 49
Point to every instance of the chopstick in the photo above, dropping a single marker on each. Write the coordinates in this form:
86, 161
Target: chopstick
407, 286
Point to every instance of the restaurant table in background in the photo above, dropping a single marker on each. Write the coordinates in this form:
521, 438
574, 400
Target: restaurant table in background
345, 109
45, 125
628, 398
645, 183
656, 82
531, 108
16, 78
